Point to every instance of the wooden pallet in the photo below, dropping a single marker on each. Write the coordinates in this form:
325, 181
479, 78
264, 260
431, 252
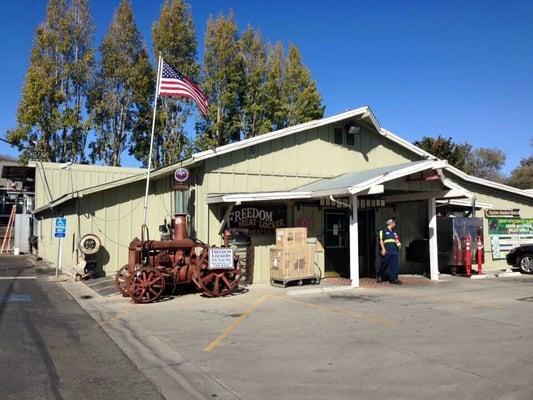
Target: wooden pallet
315, 280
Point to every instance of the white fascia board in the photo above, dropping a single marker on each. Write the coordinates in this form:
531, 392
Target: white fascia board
430, 164
465, 203
361, 112
484, 182
408, 145
455, 186
248, 197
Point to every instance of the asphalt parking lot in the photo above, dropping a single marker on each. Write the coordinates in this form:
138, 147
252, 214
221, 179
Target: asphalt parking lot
456, 338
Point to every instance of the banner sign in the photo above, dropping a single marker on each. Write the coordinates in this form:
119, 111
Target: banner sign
506, 233
220, 258
258, 218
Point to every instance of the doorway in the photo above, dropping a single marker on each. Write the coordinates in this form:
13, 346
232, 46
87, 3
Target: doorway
366, 223
337, 244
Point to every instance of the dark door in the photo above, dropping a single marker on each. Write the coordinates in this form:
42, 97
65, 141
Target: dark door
337, 244
366, 221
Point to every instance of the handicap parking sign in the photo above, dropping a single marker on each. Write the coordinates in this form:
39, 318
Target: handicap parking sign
61, 227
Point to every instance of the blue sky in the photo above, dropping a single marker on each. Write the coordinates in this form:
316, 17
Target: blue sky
458, 68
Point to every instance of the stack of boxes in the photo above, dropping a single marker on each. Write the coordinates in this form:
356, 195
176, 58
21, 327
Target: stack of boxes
292, 259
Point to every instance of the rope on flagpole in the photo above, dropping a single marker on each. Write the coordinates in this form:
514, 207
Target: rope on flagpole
159, 62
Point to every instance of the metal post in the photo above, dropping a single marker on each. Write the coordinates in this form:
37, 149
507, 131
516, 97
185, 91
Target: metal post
59, 252
159, 63
433, 245
354, 243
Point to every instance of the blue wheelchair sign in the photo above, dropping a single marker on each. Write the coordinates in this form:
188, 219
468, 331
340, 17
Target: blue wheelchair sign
61, 227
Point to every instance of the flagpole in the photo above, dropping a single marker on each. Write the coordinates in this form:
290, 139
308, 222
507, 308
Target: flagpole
159, 63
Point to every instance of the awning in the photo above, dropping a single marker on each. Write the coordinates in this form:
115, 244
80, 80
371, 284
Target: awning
354, 182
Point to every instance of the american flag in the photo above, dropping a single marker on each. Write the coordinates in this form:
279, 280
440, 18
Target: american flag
175, 84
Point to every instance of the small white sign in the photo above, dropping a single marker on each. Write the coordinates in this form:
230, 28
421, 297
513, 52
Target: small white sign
220, 258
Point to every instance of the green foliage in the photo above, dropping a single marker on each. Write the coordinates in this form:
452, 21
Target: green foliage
119, 102
276, 109
224, 84
446, 149
253, 87
254, 116
50, 122
522, 176
300, 94
174, 37
485, 163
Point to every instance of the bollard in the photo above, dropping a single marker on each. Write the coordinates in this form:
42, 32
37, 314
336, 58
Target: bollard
468, 254
480, 255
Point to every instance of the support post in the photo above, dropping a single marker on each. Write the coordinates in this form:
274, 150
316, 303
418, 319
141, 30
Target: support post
354, 243
433, 246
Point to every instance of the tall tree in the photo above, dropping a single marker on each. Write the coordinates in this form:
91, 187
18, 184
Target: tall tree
50, 121
224, 84
173, 36
485, 163
276, 108
300, 93
522, 176
446, 149
120, 99
254, 117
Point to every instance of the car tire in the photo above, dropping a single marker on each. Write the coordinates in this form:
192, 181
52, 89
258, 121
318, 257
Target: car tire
525, 263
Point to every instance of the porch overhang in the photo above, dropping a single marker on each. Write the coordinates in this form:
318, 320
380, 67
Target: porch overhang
358, 183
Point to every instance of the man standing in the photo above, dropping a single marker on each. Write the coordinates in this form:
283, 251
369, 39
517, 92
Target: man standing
389, 243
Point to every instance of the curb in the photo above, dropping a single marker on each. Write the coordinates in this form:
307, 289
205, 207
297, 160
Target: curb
300, 292
173, 375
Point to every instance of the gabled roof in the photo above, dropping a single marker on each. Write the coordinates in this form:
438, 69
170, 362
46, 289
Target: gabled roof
361, 113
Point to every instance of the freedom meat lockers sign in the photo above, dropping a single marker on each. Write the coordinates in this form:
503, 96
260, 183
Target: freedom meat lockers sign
258, 218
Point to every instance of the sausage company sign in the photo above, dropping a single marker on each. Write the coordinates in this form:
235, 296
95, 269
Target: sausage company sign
258, 219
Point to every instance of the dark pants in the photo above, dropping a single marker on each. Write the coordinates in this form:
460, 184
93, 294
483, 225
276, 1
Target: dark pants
390, 261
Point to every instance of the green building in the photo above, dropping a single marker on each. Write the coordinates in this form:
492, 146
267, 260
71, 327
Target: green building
340, 176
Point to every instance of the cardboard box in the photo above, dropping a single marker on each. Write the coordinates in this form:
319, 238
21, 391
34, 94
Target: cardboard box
290, 237
293, 262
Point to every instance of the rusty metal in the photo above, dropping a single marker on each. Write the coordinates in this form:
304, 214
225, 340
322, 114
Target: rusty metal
157, 267
121, 280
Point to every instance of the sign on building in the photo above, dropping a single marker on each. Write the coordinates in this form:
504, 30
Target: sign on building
258, 219
61, 227
506, 233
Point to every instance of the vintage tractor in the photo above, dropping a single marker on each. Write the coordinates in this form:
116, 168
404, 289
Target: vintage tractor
156, 267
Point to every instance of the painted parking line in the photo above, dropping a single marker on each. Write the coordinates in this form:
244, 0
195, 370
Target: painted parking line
14, 298
11, 278
231, 327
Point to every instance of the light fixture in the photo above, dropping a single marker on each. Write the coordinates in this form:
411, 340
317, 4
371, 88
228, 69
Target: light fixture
352, 129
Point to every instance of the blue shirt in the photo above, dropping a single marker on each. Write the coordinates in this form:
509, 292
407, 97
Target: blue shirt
390, 240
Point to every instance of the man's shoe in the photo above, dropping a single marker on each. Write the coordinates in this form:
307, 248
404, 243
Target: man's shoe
395, 282
379, 279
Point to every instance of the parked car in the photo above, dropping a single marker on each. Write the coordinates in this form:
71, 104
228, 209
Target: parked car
522, 257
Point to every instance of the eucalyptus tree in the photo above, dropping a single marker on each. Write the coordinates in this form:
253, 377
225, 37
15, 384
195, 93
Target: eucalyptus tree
174, 37
254, 118
224, 83
51, 123
119, 101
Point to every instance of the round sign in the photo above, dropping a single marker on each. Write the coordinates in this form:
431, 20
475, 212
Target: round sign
181, 175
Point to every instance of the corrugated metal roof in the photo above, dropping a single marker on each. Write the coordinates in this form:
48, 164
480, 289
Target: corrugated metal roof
354, 178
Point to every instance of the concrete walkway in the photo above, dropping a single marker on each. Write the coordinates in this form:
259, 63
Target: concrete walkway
456, 338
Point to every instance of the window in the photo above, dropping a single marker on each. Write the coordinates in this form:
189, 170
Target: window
350, 139
337, 133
